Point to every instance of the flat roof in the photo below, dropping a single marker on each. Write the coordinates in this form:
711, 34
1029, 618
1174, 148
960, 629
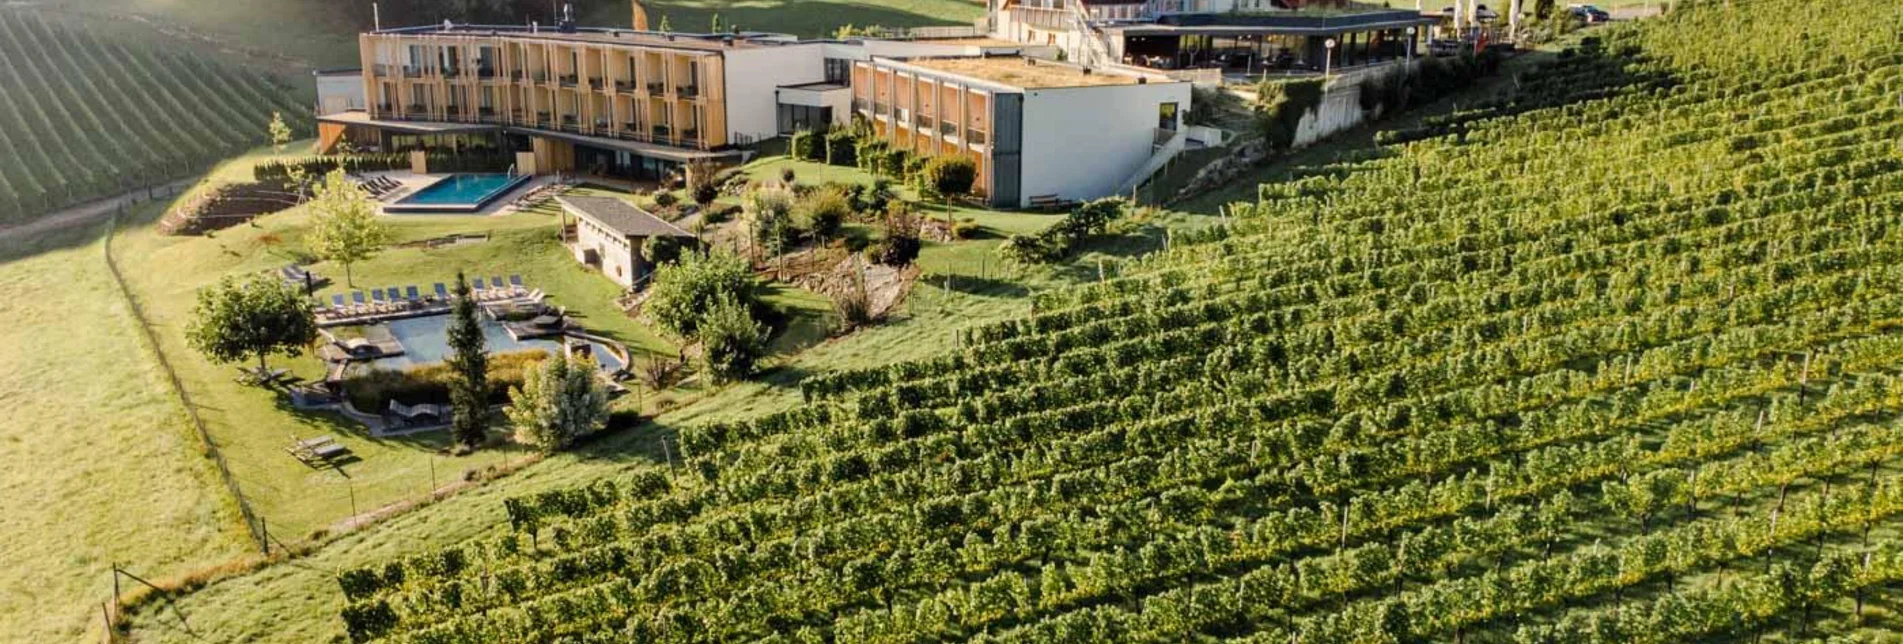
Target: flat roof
1027, 73
621, 216
666, 40
359, 117
975, 41
821, 86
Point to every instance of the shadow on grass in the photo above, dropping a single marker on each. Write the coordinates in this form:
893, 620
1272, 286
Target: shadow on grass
981, 286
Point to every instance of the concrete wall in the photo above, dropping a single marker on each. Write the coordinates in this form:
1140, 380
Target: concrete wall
339, 93
1081, 143
1340, 108
753, 75
617, 253
838, 99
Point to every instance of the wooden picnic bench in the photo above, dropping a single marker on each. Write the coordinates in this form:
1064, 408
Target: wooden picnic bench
316, 451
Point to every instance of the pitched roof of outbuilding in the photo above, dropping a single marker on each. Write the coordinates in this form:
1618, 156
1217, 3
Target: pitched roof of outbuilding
622, 217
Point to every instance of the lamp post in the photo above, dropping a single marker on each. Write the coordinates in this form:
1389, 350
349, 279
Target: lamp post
1411, 31
1328, 61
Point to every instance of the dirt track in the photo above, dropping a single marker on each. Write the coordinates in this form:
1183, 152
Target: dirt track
91, 212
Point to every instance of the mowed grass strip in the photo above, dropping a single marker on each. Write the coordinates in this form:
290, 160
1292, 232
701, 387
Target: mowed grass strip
97, 462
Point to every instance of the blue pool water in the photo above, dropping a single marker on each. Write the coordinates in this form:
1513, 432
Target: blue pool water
426, 341
458, 193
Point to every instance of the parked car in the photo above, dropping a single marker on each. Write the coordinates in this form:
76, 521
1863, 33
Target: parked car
1588, 13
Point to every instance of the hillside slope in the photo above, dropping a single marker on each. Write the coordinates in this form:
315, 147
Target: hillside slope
87, 116
1611, 358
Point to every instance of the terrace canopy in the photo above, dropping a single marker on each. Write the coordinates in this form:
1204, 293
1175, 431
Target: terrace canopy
1251, 43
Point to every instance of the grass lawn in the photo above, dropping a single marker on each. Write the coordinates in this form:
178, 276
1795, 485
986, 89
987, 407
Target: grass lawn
297, 603
253, 425
101, 466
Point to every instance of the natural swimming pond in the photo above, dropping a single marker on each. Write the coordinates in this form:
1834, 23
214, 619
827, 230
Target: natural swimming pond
425, 341
462, 193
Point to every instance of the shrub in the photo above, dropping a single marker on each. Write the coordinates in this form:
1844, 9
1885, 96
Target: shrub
808, 145
871, 200
1279, 107
682, 292
950, 176
665, 199
892, 163
371, 391
731, 340
660, 372
786, 176
853, 304
560, 400
820, 212
768, 213
842, 147
869, 153
1054, 243
901, 243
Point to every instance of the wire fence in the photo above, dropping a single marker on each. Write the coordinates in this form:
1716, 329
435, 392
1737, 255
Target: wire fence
178, 386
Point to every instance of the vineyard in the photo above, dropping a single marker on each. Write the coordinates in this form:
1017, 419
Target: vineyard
1613, 357
86, 116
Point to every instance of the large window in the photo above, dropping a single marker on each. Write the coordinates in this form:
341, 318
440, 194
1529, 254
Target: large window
794, 118
839, 71
1166, 116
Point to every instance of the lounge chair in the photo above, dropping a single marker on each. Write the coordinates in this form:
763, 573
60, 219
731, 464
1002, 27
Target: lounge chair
414, 296
442, 292
396, 299
358, 305
377, 303
515, 284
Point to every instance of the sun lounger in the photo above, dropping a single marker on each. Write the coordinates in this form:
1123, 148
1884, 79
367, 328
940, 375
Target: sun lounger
413, 295
442, 292
515, 281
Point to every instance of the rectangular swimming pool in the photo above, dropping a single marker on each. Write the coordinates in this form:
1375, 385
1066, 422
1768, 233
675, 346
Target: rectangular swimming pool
458, 193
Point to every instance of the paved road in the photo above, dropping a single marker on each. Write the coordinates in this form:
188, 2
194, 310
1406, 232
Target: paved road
91, 212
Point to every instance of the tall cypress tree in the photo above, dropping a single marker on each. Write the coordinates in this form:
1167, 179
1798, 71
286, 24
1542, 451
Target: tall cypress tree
469, 393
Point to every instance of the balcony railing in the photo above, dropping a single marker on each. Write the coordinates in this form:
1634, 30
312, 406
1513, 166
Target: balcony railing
688, 91
485, 72
601, 125
381, 69
975, 137
416, 108
881, 109
947, 128
570, 80
629, 127
657, 88
412, 71
453, 110
541, 77
452, 71
624, 86
861, 104
660, 132
925, 123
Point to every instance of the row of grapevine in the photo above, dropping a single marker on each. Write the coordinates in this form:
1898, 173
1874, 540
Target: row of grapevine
89, 116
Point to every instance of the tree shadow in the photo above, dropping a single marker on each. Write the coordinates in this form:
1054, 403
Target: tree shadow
980, 286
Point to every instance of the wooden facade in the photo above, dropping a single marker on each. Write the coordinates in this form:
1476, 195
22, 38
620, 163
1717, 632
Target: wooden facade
926, 114
642, 90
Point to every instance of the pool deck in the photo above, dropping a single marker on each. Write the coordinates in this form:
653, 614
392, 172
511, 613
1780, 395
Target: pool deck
412, 182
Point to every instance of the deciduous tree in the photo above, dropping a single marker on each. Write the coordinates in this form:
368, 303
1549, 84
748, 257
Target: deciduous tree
560, 400
236, 321
344, 225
